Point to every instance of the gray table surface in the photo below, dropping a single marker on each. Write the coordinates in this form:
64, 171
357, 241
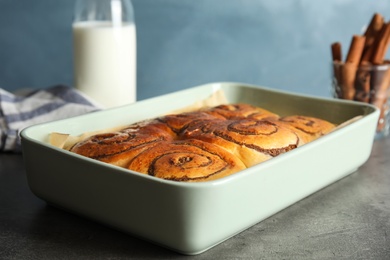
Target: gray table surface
349, 219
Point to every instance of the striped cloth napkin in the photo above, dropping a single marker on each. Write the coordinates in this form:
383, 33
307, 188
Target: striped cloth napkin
18, 111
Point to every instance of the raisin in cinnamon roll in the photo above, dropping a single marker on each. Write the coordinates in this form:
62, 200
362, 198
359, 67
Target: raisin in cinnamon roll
186, 160
118, 148
253, 141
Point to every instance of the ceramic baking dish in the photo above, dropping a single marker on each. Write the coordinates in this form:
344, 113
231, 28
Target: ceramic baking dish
192, 217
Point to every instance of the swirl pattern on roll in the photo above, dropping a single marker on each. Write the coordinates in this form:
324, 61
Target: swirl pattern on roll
253, 141
186, 160
178, 122
239, 111
119, 147
203, 145
307, 128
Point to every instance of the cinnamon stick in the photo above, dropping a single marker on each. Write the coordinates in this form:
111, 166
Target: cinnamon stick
336, 51
337, 79
337, 66
356, 49
371, 34
350, 67
363, 82
360, 77
381, 45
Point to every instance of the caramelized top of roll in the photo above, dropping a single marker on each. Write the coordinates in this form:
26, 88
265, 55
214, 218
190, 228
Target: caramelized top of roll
237, 111
178, 122
307, 128
203, 145
253, 141
186, 160
119, 147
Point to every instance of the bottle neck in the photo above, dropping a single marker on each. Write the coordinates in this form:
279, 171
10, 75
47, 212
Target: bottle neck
115, 11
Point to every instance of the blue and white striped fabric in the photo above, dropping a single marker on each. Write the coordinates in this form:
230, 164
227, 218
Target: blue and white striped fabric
37, 106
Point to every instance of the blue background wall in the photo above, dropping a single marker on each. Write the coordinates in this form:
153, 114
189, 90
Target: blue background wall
184, 43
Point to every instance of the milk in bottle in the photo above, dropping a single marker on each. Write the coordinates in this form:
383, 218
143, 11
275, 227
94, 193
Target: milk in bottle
104, 42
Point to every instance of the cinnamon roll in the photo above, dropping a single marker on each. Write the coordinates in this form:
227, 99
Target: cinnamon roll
253, 141
203, 145
235, 111
186, 160
307, 128
118, 148
178, 122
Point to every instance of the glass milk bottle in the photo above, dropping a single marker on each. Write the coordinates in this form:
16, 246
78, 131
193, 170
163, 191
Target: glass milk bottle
104, 49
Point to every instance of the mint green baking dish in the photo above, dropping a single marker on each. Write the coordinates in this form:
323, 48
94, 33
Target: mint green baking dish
190, 218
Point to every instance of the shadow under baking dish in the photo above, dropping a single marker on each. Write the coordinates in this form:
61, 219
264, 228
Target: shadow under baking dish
190, 218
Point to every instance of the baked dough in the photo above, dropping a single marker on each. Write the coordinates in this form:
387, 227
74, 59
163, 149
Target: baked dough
186, 160
203, 145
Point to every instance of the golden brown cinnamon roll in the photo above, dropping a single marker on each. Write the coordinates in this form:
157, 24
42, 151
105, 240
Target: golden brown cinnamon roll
177, 122
203, 145
186, 160
118, 148
253, 141
235, 111
307, 128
